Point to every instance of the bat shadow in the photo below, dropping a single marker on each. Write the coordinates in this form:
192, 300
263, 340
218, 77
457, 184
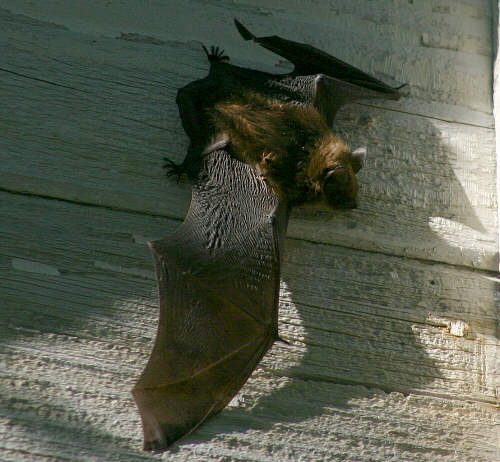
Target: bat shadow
357, 320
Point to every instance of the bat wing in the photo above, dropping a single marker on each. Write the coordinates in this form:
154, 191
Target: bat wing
218, 278
334, 82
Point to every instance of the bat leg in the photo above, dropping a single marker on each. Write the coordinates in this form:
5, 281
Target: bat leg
193, 100
196, 97
189, 167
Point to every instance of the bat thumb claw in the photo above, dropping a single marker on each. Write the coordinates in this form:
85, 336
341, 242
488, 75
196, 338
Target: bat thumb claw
244, 32
406, 89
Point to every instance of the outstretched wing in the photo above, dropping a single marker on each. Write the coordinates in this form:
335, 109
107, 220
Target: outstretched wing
218, 277
334, 82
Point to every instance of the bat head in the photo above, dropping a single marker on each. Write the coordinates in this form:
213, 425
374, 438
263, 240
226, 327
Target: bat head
339, 182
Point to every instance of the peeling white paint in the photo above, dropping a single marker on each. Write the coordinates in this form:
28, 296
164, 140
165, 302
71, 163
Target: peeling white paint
34, 267
122, 269
455, 327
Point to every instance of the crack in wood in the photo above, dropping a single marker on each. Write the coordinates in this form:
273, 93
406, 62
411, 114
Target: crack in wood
42, 80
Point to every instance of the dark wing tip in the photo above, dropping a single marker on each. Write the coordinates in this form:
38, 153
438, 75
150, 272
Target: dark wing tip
170, 435
244, 32
155, 446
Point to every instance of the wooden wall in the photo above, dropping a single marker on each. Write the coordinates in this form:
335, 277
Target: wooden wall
391, 309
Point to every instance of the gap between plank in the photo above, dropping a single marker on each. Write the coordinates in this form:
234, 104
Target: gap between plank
180, 220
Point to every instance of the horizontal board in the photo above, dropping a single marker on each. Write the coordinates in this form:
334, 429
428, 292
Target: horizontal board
353, 316
442, 50
59, 414
88, 119
390, 310
79, 313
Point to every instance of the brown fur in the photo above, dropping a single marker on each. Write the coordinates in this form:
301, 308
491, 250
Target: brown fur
291, 145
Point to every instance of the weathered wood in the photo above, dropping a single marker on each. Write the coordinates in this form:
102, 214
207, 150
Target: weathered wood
449, 43
100, 141
349, 312
79, 314
355, 424
391, 310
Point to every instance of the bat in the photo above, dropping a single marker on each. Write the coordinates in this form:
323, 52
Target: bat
260, 143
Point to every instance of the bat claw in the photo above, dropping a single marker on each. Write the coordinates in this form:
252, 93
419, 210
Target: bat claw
215, 55
173, 170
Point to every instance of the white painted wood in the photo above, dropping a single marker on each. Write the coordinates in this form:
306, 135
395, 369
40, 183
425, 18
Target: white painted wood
336, 301
496, 87
428, 190
74, 340
391, 310
449, 41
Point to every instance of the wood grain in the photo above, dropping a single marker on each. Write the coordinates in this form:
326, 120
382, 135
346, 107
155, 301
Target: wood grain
391, 310
85, 306
106, 114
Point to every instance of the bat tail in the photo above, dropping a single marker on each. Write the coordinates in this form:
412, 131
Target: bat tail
244, 32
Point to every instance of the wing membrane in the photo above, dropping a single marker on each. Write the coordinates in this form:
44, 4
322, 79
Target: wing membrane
218, 278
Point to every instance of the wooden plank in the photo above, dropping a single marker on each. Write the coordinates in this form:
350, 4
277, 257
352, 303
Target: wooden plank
349, 312
104, 115
45, 420
428, 188
391, 310
449, 43
79, 313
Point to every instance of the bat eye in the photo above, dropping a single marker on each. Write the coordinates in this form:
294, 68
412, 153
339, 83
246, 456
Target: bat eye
338, 175
301, 150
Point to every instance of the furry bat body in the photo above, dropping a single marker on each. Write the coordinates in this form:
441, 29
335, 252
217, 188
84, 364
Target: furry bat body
291, 147
259, 143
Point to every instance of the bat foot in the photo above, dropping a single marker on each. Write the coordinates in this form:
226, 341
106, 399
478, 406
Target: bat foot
173, 170
215, 55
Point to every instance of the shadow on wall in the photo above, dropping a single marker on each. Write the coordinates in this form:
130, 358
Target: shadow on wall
360, 330
357, 327
52, 431
360, 316
69, 343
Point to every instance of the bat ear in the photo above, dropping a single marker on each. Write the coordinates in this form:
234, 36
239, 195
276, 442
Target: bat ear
358, 159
